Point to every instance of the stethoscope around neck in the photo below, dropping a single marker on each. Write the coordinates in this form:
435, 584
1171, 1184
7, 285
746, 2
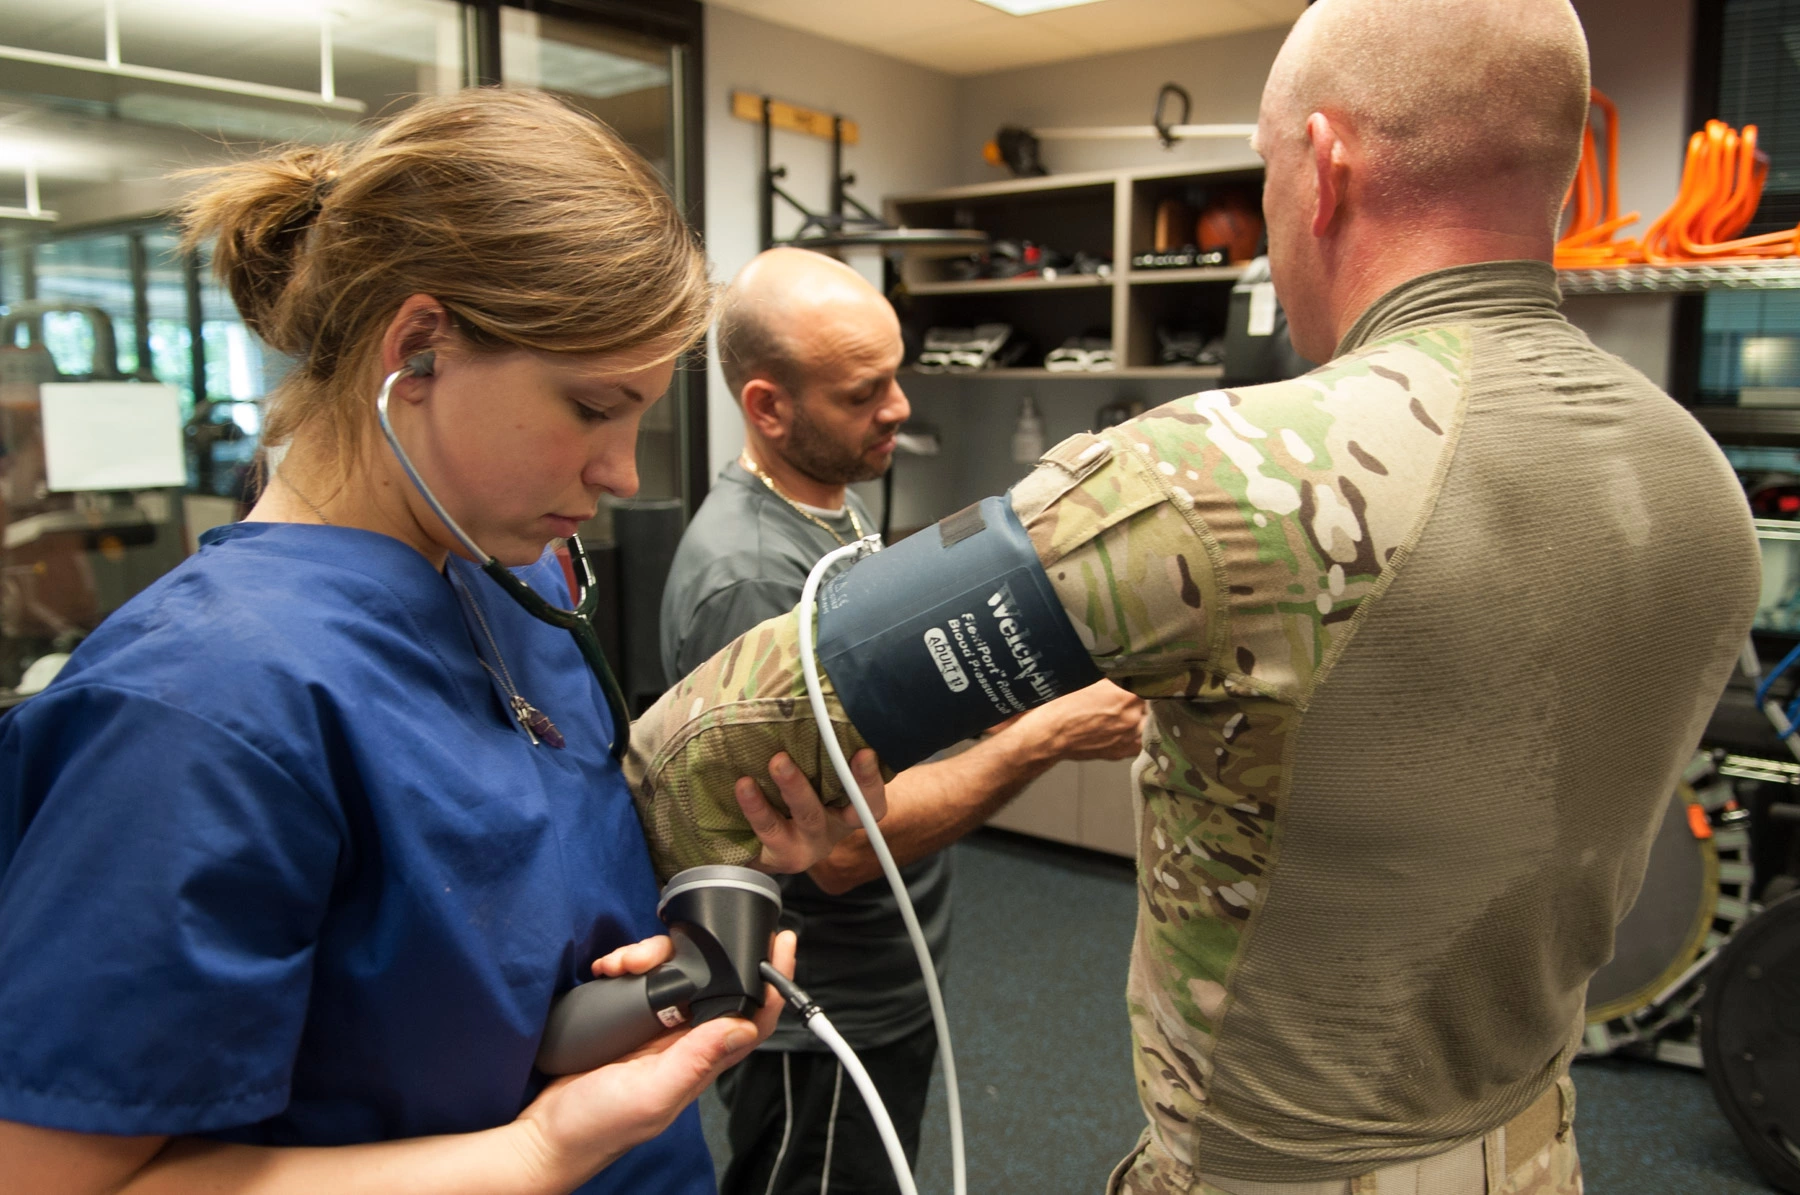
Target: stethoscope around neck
579, 622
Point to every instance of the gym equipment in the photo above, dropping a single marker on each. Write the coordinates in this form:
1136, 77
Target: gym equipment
69, 557
1722, 182
646, 531
1082, 354
720, 920
1185, 258
1592, 205
834, 228
1695, 894
963, 350
1232, 224
1016, 149
1750, 1034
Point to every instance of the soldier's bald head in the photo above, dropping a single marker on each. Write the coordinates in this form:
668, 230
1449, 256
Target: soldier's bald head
1453, 99
779, 305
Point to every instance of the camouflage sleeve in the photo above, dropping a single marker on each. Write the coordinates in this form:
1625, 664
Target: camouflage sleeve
1128, 554
1223, 543
724, 720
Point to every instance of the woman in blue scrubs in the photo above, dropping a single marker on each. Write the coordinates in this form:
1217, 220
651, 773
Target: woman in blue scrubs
290, 866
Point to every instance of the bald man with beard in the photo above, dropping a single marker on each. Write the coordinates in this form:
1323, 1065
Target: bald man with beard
810, 351
1427, 637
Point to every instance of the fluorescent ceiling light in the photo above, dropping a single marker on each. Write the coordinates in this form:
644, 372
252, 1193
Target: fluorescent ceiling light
1024, 8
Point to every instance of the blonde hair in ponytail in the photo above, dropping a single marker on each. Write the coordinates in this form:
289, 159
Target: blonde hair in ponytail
533, 224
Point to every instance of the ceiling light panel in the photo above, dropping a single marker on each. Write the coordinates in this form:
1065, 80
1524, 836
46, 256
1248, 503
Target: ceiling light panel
1024, 8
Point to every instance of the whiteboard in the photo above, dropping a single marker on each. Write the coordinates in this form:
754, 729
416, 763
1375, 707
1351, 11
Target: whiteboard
112, 436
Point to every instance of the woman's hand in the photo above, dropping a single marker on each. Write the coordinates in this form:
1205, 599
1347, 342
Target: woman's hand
580, 1124
803, 837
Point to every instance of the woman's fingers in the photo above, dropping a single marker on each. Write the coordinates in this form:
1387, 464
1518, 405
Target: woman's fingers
781, 954
636, 958
581, 1123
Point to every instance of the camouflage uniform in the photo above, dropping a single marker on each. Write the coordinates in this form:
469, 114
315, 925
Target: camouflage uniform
1392, 797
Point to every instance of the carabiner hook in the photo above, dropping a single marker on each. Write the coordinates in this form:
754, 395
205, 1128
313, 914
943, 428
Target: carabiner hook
1164, 129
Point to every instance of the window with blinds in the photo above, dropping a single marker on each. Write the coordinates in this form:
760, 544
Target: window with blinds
1759, 84
1750, 340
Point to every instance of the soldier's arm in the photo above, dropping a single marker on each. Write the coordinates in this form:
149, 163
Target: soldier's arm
1124, 555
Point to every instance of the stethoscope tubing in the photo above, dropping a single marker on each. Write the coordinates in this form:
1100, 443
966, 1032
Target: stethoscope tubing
579, 622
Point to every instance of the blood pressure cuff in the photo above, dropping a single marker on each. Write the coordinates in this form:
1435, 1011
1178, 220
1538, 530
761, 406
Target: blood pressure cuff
947, 633
1090, 565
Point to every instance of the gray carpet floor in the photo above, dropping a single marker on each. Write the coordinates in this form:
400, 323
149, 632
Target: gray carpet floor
1036, 998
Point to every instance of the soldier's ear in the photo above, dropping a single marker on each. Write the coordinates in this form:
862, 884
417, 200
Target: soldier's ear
1331, 170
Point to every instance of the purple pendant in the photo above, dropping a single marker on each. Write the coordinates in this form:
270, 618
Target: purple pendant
537, 724
545, 729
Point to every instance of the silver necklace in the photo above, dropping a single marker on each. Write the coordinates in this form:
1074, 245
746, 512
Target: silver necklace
809, 516
537, 724
310, 504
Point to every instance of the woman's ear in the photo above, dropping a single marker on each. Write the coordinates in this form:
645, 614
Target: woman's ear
421, 326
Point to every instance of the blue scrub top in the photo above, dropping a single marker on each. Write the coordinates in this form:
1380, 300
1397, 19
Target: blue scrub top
278, 866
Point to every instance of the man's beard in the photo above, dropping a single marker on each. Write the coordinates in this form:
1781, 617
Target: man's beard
812, 451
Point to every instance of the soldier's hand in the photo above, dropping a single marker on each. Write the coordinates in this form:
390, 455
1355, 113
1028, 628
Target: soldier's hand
1101, 721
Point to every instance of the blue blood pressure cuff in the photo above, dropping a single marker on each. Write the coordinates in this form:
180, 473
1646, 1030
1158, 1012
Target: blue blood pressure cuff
946, 633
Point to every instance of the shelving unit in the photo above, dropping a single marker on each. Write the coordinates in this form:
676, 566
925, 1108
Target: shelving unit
1644, 279
1112, 214
1107, 213
1752, 427
989, 286
1196, 274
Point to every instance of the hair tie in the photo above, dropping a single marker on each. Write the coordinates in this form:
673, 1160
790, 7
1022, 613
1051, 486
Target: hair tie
321, 191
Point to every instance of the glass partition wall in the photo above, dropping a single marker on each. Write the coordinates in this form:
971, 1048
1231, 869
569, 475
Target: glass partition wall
103, 105
632, 80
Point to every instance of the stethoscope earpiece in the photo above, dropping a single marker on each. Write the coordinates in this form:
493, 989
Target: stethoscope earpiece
422, 365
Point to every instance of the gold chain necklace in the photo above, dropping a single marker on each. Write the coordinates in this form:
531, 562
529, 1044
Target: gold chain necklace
755, 470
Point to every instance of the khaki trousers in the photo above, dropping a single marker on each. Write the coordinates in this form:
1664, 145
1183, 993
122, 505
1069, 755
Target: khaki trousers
1533, 1154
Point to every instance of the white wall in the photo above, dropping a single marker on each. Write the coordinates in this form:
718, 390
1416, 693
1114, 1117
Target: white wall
1223, 75
904, 112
